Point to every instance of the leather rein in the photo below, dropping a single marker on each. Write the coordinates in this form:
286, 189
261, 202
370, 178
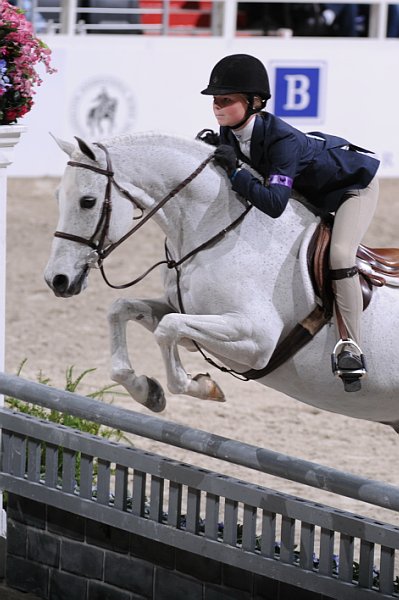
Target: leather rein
100, 251
98, 240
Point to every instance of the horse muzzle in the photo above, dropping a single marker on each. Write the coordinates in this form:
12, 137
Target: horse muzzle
63, 287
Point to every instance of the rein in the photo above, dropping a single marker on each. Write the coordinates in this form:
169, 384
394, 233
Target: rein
100, 252
101, 231
173, 264
105, 217
102, 228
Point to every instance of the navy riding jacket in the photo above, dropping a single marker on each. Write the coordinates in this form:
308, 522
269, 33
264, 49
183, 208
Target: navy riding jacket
322, 167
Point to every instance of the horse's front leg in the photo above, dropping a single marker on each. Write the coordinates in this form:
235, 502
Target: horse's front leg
143, 389
226, 336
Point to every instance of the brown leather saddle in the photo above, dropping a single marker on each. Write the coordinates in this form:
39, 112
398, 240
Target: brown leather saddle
383, 262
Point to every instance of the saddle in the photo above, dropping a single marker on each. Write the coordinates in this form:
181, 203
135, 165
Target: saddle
377, 267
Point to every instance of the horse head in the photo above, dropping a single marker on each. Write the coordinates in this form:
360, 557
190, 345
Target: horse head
102, 185
86, 198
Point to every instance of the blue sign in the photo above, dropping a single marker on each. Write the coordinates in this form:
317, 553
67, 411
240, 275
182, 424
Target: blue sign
297, 92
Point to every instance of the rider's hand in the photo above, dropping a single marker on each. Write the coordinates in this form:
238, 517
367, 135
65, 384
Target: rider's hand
226, 158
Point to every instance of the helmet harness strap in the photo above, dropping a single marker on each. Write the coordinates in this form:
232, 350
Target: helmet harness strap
251, 110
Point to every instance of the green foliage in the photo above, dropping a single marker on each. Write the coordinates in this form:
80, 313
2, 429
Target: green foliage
72, 384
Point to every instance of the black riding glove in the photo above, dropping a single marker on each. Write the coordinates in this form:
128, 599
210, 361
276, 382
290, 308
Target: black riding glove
226, 157
208, 136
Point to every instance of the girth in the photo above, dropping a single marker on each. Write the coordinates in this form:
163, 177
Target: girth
383, 261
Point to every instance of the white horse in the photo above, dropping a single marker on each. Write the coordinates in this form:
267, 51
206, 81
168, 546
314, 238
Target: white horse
239, 296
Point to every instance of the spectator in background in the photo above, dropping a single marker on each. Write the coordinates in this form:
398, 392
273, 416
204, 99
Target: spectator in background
264, 17
339, 19
393, 21
303, 19
111, 19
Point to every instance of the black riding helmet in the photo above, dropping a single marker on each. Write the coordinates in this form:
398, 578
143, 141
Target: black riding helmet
240, 74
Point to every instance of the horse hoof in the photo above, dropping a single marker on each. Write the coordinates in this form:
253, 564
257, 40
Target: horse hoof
210, 389
156, 400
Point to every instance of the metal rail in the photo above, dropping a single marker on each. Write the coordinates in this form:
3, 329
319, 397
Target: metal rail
268, 533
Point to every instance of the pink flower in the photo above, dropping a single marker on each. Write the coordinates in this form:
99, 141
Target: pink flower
20, 52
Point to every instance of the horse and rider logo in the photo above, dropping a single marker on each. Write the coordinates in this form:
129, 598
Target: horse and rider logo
103, 108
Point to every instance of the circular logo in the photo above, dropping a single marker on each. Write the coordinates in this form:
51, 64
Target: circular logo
102, 107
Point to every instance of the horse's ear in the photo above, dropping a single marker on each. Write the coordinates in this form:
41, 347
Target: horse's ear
67, 147
86, 148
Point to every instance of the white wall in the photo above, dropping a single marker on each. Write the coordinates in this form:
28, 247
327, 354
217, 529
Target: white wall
157, 81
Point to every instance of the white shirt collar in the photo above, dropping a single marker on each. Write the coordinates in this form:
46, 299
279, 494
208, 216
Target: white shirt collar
244, 135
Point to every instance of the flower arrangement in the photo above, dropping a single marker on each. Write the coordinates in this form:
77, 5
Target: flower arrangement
20, 51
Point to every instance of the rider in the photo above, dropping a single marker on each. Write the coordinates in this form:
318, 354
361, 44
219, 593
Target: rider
333, 175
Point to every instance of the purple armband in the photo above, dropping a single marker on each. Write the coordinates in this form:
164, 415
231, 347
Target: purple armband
281, 180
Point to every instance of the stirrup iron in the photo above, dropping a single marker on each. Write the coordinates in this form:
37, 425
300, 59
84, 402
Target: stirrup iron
339, 346
350, 376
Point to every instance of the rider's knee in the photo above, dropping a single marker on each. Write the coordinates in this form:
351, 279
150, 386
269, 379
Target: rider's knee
340, 257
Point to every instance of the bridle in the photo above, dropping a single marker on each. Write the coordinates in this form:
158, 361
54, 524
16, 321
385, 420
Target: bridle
98, 240
100, 251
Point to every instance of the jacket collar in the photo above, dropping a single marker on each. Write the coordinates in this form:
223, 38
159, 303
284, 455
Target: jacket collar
259, 135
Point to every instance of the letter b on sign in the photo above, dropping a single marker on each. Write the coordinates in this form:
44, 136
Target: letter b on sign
297, 92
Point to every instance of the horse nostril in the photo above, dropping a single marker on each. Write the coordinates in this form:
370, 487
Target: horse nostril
60, 283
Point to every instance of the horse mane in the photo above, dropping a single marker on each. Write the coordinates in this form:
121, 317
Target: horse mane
173, 140
128, 139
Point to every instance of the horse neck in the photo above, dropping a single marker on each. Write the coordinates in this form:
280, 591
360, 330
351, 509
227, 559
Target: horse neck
161, 164
206, 205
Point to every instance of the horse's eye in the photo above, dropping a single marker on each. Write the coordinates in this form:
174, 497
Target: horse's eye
87, 201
